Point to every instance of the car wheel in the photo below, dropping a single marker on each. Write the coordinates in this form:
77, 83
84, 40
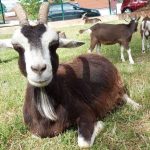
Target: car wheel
127, 10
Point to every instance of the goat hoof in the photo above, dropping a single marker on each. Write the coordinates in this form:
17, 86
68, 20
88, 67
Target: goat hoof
132, 63
137, 106
82, 143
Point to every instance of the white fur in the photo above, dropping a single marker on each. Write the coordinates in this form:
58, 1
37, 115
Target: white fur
148, 43
130, 56
143, 43
131, 102
89, 31
145, 33
98, 48
122, 55
89, 51
82, 143
45, 106
36, 137
97, 128
148, 25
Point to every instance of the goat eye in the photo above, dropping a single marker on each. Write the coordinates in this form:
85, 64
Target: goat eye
18, 48
53, 45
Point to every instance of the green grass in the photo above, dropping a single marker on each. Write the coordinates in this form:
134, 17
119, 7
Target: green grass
124, 130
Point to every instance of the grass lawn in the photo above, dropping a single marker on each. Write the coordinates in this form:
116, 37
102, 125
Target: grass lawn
124, 130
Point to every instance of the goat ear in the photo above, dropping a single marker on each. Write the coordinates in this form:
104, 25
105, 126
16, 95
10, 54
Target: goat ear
67, 43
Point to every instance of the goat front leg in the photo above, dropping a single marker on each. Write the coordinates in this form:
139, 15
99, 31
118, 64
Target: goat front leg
87, 131
98, 47
143, 43
131, 102
122, 55
93, 44
148, 43
130, 56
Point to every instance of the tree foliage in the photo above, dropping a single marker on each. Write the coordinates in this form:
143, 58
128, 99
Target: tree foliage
31, 7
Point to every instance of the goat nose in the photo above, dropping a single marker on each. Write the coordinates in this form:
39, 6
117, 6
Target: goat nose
39, 69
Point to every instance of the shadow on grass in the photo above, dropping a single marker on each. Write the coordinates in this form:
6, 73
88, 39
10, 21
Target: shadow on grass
8, 60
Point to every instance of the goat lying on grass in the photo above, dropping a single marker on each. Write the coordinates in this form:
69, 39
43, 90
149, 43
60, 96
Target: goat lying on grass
108, 34
62, 95
145, 33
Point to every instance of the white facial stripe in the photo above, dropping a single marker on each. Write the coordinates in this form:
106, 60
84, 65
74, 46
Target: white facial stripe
143, 43
49, 36
99, 126
37, 56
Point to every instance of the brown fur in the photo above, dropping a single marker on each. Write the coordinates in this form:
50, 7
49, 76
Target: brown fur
83, 91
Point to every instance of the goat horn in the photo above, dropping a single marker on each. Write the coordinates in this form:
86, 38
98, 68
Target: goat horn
43, 13
21, 14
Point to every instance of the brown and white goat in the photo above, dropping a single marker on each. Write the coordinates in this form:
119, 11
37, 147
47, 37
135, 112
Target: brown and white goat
90, 20
109, 34
145, 33
59, 96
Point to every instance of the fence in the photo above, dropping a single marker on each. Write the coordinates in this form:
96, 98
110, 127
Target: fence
2, 10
